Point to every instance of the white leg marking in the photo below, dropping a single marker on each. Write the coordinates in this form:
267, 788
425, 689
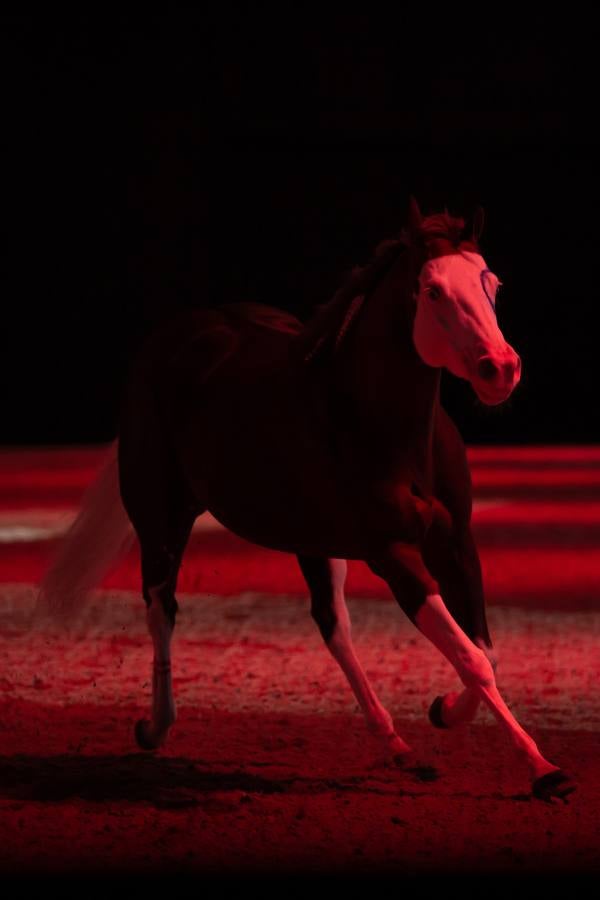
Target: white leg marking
460, 709
476, 672
163, 703
379, 721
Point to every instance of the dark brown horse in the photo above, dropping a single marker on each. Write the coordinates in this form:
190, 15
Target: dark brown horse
328, 441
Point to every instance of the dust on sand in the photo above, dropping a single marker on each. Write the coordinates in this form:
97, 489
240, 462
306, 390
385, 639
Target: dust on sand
269, 767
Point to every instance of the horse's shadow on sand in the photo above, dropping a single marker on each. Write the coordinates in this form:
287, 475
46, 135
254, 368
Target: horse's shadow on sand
173, 782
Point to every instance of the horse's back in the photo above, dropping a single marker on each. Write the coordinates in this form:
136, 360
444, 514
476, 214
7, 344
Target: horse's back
209, 337
181, 358
263, 316
209, 369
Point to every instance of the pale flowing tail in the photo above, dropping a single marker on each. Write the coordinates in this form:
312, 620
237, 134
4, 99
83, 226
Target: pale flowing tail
98, 537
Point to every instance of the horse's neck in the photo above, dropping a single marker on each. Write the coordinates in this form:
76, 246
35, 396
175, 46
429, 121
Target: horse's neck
391, 396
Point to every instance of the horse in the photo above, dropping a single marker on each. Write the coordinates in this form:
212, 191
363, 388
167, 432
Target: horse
327, 441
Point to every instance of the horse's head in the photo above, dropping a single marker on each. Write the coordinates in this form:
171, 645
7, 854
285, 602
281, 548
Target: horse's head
455, 323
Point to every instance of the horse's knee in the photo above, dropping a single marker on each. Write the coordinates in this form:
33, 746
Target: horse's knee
474, 668
489, 652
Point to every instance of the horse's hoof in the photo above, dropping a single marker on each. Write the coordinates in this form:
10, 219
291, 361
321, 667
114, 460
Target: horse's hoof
393, 752
555, 784
435, 713
142, 735
398, 751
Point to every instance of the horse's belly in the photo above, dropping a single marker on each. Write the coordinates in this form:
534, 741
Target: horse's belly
298, 511
275, 484
300, 535
300, 531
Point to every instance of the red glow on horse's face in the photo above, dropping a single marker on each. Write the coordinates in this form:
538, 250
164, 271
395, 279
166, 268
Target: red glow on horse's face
456, 327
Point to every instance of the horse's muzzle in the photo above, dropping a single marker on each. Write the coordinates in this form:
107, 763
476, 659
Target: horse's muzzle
496, 375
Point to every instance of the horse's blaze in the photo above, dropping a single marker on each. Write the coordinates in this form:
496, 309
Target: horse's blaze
456, 327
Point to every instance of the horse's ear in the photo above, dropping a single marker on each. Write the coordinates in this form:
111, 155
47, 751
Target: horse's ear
478, 222
415, 217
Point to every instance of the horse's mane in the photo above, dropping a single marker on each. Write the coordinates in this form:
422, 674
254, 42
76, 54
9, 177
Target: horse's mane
441, 231
332, 319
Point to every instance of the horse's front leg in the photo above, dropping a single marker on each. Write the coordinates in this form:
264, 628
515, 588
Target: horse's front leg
477, 674
455, 709
450, 554
453, 558
325, 579
402, 567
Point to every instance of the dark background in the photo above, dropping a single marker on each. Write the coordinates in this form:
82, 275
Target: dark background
159, 161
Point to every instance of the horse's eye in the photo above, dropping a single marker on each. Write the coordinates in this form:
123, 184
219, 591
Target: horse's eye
434, 293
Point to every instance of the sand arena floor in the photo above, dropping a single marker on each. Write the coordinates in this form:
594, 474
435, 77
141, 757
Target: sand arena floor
269, 767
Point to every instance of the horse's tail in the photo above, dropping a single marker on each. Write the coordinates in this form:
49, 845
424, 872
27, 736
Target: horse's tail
98, 537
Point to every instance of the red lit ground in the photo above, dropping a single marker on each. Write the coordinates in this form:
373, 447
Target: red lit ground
269, 767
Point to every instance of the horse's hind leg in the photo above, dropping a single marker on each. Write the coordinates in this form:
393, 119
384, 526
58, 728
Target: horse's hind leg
160, 567
162, 512
325, 579
161, 550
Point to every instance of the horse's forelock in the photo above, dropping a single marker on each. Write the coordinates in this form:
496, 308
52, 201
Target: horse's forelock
442, 225
443, 234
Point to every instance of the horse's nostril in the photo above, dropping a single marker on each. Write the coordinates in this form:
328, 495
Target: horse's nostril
487, 369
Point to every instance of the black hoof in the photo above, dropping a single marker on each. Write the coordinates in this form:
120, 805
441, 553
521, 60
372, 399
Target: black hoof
554, 784
141, 735
435, 713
